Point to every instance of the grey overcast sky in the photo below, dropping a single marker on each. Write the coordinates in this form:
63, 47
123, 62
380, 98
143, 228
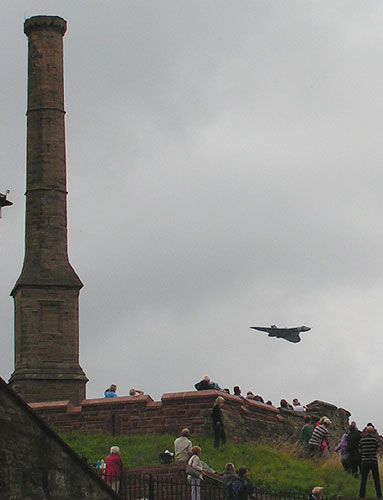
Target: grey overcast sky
224, 170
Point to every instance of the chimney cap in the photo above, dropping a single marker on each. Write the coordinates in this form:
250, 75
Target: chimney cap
54, 23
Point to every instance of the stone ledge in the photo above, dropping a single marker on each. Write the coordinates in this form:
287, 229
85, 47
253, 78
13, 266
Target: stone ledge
264, 406
192, 395
120, 400
51, 405
154, 405
318, 402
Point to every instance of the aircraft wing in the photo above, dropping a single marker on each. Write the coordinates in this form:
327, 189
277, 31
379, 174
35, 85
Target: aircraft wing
264, 329
291, 337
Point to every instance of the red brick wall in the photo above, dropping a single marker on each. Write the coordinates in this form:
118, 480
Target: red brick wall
140, 414
244, 419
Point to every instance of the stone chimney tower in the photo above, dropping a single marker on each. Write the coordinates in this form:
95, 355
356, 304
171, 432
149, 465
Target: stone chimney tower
46, 293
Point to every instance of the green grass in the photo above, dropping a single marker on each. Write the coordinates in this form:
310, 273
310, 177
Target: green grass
280, 468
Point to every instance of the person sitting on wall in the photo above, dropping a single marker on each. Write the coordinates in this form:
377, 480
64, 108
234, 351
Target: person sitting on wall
284, 404
297, 406
111, 392
237, 391
183, 447
250, 395
136, 392
206, 384
258, 398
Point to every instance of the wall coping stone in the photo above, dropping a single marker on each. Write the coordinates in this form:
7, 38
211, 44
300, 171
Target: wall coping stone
120, 400
49, 405
318, 402
192, 394
213, 392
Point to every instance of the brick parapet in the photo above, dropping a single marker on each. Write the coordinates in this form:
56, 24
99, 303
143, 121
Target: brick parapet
141, 415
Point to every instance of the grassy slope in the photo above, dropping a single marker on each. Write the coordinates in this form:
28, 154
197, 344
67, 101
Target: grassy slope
278, 469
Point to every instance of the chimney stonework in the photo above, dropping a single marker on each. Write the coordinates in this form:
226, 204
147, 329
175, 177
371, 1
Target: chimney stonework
47, 291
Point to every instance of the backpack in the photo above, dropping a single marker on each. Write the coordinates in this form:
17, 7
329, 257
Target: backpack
237, 489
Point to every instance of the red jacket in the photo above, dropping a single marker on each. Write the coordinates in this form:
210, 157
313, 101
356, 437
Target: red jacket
113, 467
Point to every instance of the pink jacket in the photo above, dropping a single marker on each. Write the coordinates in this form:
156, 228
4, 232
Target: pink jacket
113, 467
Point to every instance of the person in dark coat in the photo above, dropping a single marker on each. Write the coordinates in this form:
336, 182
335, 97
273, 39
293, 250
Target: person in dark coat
217, 420
206, 384
241, 488
228, 477
352, 448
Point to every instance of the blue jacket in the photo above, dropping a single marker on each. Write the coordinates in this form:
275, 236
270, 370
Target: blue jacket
109, 394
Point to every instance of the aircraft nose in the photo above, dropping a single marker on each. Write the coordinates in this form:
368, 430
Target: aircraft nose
306, 328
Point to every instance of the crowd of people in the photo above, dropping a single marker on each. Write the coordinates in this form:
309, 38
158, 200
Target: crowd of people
359, 453
207, 384
236, 483
358, 449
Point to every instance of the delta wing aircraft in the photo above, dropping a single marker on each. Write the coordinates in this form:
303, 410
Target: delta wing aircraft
290, 334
